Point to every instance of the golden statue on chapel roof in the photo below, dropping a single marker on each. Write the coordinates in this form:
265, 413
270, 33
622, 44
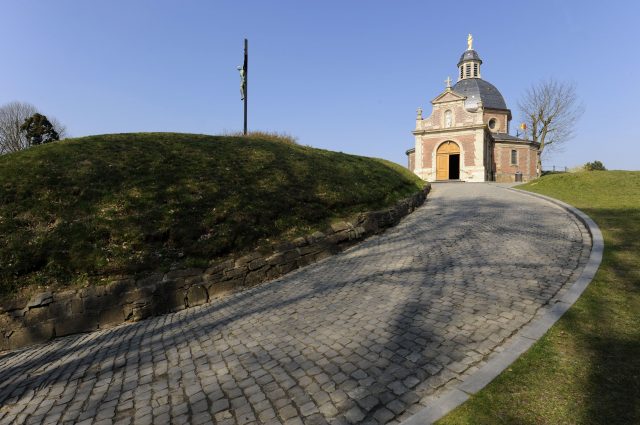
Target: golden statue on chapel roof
470, 42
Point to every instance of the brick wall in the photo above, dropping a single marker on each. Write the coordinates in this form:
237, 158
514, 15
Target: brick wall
465, 142
501, 120
526, 163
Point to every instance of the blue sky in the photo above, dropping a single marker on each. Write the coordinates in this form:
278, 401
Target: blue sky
339, 75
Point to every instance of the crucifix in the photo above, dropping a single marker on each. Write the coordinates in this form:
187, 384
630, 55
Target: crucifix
244, 73
448, 81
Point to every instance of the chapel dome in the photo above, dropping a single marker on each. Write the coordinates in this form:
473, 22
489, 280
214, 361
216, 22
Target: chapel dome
469, 55
477, 89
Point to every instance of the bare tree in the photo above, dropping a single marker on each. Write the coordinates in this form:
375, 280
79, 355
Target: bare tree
12, 116
551, 110
60, 128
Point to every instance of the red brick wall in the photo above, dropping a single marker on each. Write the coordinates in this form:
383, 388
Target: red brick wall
505, 171
428, 144
533, 158
501, 118
437, 116
468, 147
460, 115
466, 143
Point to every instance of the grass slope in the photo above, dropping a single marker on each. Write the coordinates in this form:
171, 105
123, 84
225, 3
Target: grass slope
586, 369
104, 205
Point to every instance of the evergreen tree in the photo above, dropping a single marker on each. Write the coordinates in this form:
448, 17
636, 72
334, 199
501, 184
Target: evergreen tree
594, 166
39, 130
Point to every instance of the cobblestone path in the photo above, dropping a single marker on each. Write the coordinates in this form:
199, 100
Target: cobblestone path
367, 336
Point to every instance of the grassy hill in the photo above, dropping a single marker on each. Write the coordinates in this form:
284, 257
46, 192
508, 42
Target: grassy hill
586, 369
73, 211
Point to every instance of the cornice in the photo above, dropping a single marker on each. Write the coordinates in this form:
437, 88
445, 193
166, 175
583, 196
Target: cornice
450, 129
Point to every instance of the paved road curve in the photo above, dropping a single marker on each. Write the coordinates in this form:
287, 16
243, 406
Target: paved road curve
367, 336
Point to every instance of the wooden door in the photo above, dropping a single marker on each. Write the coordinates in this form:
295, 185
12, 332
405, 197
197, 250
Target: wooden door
442, 159
442, 166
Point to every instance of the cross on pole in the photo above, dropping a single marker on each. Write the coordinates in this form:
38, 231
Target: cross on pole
245, 76
448, 81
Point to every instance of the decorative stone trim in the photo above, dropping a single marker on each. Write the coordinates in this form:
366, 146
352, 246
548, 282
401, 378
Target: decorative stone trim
48, 315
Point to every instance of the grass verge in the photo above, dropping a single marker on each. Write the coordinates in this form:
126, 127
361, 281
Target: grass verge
586, 369
75, 211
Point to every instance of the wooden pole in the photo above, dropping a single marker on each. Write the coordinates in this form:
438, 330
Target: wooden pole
246, 81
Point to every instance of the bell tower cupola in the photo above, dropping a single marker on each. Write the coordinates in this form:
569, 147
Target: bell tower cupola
469, 63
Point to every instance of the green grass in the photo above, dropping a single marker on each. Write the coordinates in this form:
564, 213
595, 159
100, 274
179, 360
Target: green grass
76, 211
586, 369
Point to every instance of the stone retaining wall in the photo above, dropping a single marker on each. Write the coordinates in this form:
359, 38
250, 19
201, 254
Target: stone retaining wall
48, 315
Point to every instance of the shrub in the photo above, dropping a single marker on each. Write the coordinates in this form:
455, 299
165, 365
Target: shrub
594, 166
38, 130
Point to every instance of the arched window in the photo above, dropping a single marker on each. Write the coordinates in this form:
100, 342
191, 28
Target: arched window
448, 119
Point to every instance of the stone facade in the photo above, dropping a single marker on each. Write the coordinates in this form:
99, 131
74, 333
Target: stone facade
46, 315
472, 119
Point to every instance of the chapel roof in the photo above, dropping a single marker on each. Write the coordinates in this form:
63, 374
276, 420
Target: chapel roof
469, 55
477, 89
506, 137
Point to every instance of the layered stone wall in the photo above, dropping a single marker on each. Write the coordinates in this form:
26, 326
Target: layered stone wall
47, 315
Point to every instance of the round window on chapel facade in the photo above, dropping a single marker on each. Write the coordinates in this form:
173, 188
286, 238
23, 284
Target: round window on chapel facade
492, 123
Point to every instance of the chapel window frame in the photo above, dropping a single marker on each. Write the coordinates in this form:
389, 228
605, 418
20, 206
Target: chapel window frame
514, 157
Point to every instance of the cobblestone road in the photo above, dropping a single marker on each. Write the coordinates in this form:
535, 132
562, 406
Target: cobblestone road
367, 336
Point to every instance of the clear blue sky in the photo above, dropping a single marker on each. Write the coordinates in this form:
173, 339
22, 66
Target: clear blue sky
340, 75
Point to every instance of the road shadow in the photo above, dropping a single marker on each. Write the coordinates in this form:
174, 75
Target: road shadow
421, 328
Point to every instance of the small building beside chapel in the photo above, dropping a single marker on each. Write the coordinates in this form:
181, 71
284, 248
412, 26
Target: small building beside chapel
466, 137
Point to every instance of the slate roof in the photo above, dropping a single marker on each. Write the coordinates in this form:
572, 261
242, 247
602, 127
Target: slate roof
478, 89
469, 55
506, 137
503, 137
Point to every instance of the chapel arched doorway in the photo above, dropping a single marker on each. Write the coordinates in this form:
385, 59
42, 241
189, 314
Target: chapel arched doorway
448, 161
